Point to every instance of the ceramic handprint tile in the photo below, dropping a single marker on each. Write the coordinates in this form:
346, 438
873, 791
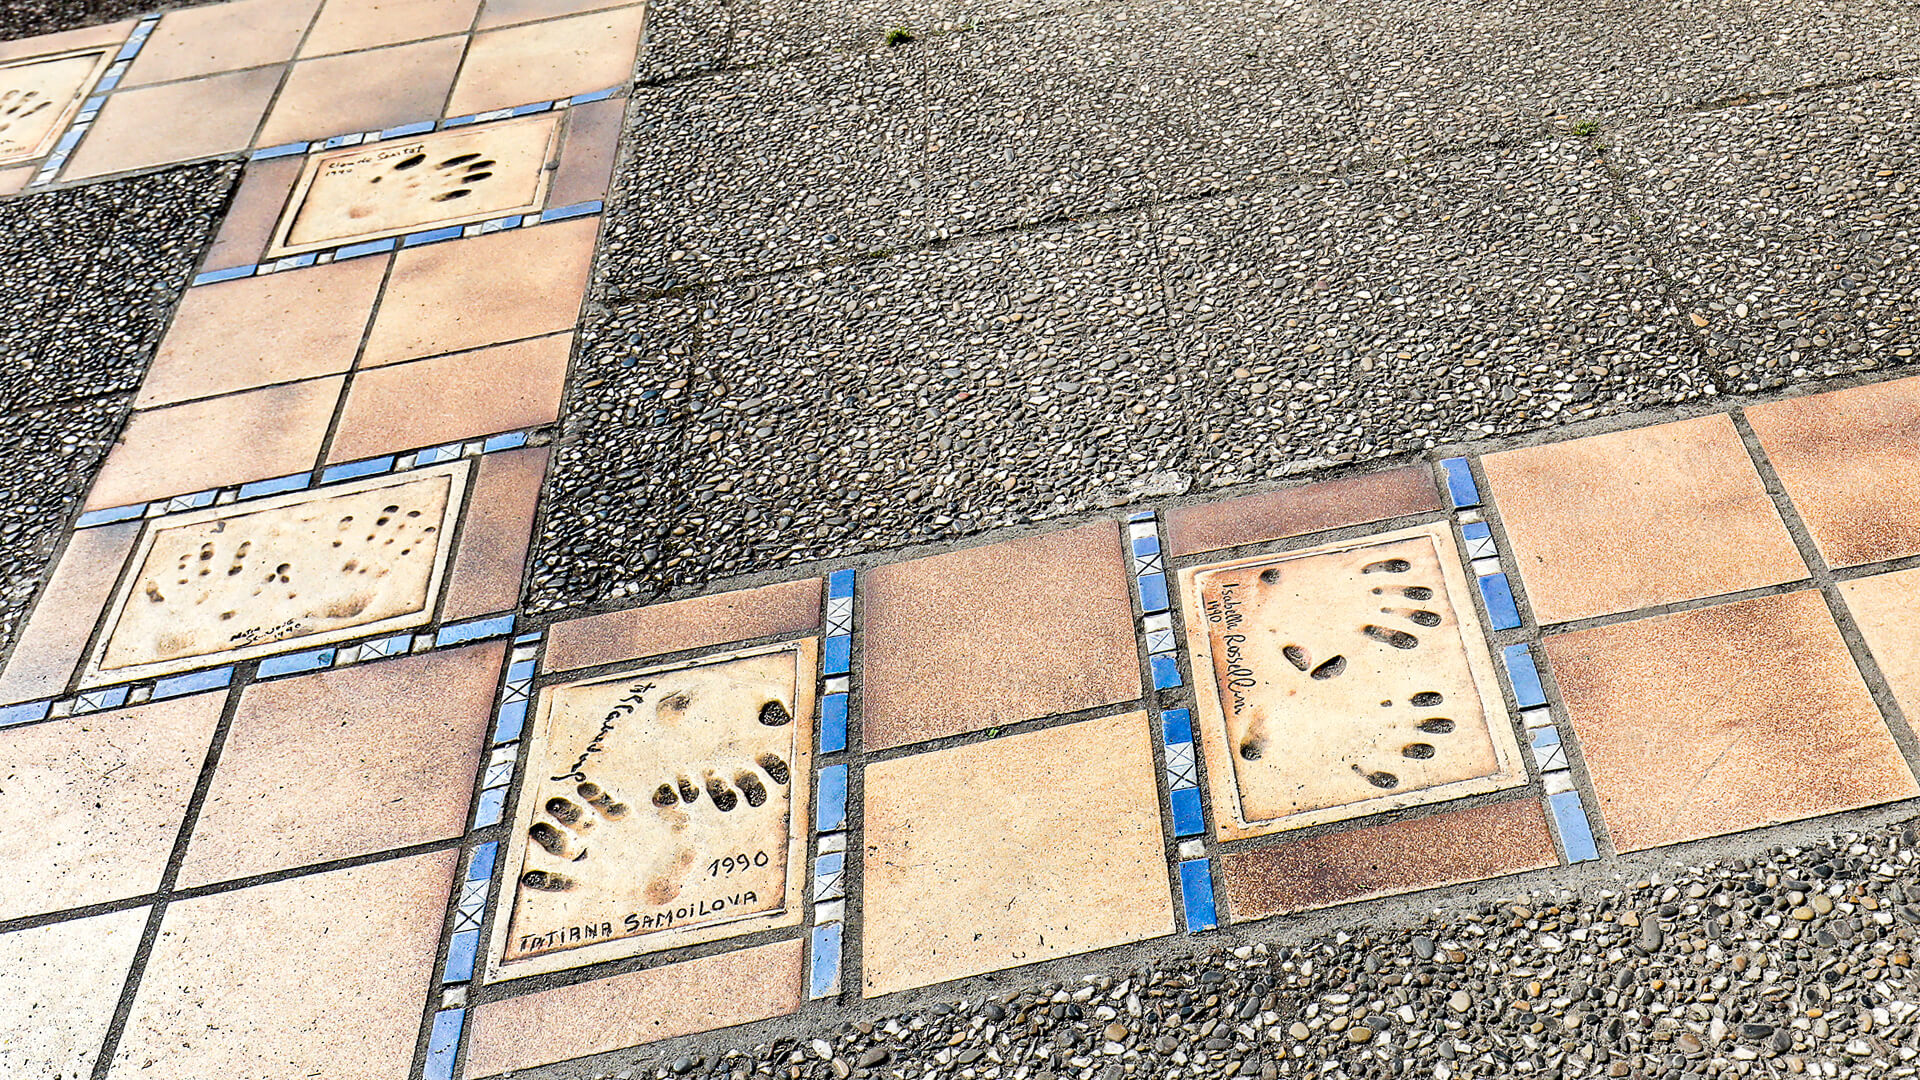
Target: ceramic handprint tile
1346, 679
39, 95
661, 807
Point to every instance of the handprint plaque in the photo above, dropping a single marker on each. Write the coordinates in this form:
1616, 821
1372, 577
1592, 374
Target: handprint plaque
1344, 680
661, 807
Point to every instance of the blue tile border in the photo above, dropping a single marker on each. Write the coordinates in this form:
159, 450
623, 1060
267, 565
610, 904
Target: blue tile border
1570, 822
1502, 612
443, 1045
474, 630
1196, 895
1461, 490
830, 812
24, 713
1524, 676
1183, 773
823, 971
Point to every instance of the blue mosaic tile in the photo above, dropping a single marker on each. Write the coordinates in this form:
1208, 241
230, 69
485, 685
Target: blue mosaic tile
520, 670
94, 700
109, 515
1502, 613
596, 95
1476, 530
1524, 676
354, 469
1461, 489
1145, 546
1166, 671
563, 213
370, 247
833, 723
338, 141
530, 637
831, 814
297, 262
502, 224
1140, 515
230, 273
404, 130
1196, 895
489, 808
460, 953
836, 656
1188, 818
1177, 724
131, 49
536, 107
312, 660
827, 871
283, 150
823, 980
459, 121
68, 141
1153, 593
473, 631
24, 713
192, 682
437, 454
1570, 820
431, 236
513, 720
1546, 736
480, 866
507, 441
443, 1045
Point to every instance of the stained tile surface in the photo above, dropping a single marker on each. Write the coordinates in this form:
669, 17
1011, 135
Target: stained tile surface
222, 37
350, 25
1055, 850
174, 122
500, 388
50, 647
324, 975
1846, 460
1886, 608
1342, 680
537, 61
363, 91
994, 635
790, 607
1652, 515
1274, 515
94, 803
59, 985
1724, 718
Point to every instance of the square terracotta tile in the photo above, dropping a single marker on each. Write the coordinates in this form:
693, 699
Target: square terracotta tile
157, 125
522, 64
1847, 460
256, 207
346, 762
462, 294
496, 13
483, 392
493, 541
586, 158
206, 444
1632, 519
1724, 718
255, 331
85, 37
1012, 851
12, 180
225, 37
352, 25
324, 975
365, 91
64, 616
59, 986
1296, 511
94, 803
1385, 860
639, 1007
994, 635
1886, 608
791, 607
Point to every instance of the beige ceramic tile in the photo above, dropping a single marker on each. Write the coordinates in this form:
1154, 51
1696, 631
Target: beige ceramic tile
39, 96
13, 180
365, 91
1724, 718
114, 34
1887, 608
93, 803
586, 160
51, 644
256, 207
496, 13
482, 392
318, 976
1296, 511
791, 607
463, 294
255, 331
1847, 460
307, 568
59, 985
156, 125
1633, 519
1055, 849
639, 1007
390, 749
351, 25
493, 542
255, 435
1343, 680
221, 37
538, 61
668, 806
994, 635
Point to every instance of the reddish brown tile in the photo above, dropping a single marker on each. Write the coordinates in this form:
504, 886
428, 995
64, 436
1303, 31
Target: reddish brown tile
388, 749
493, 542
67, 40
1654, 515
639, 1007
791, 607
207, 444
250, 332
1296, 511
364, 91
224, 37
1386, 860
319, 976
538, 61
1847, 459
483, 392
463, 294
94, 803
59, 986
12, 180
351, 25
56, 634
157, 125
1724, 718
586, 158
256, 209
994, 635
498, 13
1887, 608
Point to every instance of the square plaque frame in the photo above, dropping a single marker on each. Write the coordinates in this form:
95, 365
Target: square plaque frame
63, 118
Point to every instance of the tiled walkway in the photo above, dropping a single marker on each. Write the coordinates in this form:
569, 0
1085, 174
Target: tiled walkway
297, 780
